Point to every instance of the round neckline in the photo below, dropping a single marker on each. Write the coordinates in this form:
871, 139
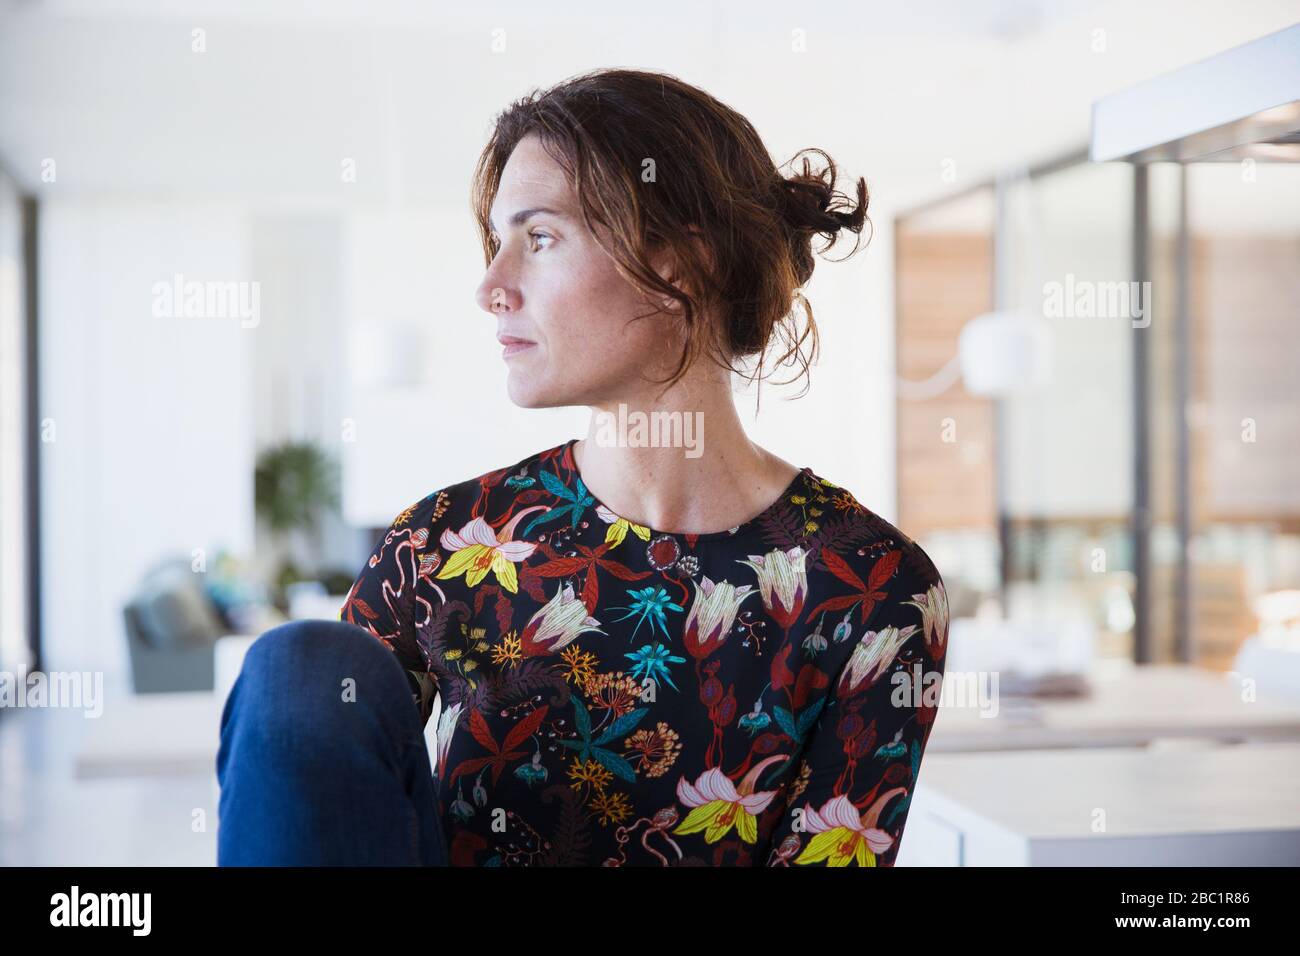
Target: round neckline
737, 531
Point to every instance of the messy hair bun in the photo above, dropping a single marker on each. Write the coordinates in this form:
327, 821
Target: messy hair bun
810, 205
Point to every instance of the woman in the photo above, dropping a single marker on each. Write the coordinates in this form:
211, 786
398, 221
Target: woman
692, 653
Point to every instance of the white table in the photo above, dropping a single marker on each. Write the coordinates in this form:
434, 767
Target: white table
163, 734
1216, 806
153, 735
173, 734
1129, 706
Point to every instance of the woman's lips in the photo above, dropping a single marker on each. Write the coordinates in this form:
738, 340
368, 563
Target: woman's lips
513, 344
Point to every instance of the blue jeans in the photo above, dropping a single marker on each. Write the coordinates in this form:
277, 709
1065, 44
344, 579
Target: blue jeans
323, 760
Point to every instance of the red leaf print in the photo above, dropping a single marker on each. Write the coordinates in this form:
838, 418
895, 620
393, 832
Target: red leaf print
810, 678
524, 729
782, 676
869, 594
482, 733
468, 767
364, 608
623, 572
840, 568
560, 567
532, 584
591, 591
504, 611
835, 604
883, 569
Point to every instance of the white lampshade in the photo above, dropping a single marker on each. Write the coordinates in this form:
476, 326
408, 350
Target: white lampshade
1005, 352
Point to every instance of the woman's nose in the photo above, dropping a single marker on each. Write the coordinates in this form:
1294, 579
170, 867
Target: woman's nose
494, 297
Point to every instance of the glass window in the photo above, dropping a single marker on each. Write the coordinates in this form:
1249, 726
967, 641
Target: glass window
1067, 448
947, 498
1244, 410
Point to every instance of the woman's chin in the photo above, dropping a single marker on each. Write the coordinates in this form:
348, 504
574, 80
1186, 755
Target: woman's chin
526, 392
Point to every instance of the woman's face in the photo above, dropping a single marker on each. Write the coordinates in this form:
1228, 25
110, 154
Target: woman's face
553, 284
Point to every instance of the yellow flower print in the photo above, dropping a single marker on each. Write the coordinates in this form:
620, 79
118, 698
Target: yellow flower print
579, 665
507, 652
618, 527
611, 807
718, 804
477, 549
841, 836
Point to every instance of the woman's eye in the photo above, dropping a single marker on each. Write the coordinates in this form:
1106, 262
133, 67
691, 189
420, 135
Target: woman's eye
494, 242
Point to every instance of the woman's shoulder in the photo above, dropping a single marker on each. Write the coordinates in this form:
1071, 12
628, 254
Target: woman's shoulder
877, 574
850, 538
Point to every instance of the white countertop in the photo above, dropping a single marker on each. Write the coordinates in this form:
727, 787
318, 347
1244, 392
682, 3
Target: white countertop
1057, 793
1128, 706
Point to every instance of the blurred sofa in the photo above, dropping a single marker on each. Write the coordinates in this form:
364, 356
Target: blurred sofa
172, 626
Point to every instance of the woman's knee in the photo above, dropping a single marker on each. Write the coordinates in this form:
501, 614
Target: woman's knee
296, 642
305, 664
319, 649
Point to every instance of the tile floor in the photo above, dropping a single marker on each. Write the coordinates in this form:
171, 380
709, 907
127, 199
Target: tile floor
48, 817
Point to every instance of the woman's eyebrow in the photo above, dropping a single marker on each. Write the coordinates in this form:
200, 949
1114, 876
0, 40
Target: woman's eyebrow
523, 215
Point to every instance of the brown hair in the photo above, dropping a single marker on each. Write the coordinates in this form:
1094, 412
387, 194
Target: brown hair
651, 158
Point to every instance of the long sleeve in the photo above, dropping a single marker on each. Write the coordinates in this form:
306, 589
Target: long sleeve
382, 601
849, 799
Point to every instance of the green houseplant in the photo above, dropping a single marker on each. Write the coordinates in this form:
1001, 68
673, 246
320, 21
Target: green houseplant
295, 485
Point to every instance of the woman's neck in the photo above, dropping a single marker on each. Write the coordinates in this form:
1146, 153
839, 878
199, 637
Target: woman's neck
682, 463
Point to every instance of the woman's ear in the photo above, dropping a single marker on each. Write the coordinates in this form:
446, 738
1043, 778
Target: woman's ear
669, 267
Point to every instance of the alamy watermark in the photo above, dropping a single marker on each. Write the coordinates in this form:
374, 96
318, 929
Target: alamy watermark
1085, 299
656, 429
192, 299
75, 908
79, 690
950, 689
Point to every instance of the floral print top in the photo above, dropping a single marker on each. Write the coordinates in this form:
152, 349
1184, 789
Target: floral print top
614, 695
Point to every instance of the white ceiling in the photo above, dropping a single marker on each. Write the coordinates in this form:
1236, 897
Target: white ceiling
1002, 18
921, 98
113, 93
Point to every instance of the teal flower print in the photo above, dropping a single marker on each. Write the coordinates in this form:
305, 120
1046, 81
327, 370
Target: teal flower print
844, 629
521, 481
795, 729
894, 749
900, 807
815, 642
756, 720
532, 773
653, 663
650, 604
577, 501
589, 749
461, 810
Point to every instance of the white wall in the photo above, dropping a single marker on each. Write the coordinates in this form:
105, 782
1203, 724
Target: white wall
299, 349
15, 614
152, 448
425, 384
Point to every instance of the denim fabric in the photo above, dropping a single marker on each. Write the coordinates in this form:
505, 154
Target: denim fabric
323, 760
